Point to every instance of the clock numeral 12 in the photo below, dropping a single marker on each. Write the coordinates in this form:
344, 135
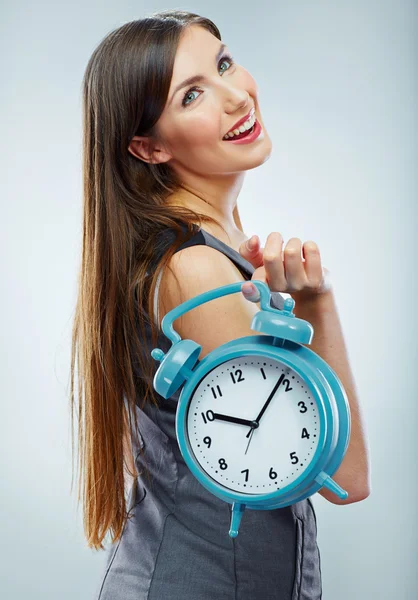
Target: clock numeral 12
240, 377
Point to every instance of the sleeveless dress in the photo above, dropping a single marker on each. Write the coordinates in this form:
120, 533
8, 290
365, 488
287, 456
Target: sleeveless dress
176, 546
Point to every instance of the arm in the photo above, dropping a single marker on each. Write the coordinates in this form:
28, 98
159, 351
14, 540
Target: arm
191, 272
354, 472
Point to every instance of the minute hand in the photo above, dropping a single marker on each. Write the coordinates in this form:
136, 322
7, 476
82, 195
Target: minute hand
267, 402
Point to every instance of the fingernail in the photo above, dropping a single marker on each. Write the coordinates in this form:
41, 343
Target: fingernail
250, 243
253, 294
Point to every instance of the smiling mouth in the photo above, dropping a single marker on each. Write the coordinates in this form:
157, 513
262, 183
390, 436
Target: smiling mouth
241, 135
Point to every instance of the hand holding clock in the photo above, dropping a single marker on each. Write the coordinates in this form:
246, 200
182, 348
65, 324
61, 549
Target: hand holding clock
314, 428
285, 271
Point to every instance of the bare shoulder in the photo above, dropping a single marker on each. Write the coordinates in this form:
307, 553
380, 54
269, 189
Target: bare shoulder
193, 271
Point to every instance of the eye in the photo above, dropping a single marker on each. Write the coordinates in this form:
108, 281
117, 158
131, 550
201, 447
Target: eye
224, 58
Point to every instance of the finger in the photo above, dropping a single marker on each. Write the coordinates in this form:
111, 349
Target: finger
326, 283
293, 266
250, 291
313, 267
273, 262
252, 254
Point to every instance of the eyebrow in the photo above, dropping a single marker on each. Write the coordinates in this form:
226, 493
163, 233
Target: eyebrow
197, 78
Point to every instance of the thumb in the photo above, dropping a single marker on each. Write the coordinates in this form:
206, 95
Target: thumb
251, 251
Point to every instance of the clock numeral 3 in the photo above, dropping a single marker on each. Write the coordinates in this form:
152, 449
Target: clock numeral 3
222, 464
303, 407
209, 416
240, 377
247, 473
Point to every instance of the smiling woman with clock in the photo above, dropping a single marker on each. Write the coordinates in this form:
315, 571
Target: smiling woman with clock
202, 390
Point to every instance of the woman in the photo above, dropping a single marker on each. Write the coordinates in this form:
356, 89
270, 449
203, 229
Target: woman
157, 164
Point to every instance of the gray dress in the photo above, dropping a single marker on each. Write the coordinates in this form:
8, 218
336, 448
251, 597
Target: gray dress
176, 545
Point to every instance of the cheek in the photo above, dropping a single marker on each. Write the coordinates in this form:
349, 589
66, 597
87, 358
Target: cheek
248, 83
200, 131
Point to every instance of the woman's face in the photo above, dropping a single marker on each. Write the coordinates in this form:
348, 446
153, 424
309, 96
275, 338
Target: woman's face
194, 121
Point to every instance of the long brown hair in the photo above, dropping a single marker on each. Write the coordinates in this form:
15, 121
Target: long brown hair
125, 89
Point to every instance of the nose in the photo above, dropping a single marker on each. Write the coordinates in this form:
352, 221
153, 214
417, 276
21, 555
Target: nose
237, 99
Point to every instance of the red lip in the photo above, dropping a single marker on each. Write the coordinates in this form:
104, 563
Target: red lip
241, 121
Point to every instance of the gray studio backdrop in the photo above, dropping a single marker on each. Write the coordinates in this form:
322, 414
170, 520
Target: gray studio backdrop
338, 94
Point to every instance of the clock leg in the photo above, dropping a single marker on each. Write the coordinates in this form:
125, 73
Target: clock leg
237, 512
326, 481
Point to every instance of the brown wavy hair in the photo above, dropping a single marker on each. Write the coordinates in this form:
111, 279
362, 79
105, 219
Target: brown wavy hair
124, 91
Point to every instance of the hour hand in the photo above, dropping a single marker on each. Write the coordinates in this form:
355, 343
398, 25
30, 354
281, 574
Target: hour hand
230, 419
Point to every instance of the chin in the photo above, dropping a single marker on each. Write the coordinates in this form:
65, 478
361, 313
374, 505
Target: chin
268, 146
267, 149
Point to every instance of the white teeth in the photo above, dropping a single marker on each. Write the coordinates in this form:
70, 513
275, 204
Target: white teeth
244, 127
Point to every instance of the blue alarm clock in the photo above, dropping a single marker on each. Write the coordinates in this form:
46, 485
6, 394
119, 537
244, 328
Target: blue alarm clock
262, 421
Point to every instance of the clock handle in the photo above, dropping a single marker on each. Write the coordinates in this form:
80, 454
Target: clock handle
237, 512
232, 288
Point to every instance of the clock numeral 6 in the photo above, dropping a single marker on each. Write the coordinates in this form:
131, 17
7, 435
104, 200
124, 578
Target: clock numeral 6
207, 441
292, 456
209, 416
272, 474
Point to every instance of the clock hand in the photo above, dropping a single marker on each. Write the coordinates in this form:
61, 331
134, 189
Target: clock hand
267, 402
251, 437
221, 417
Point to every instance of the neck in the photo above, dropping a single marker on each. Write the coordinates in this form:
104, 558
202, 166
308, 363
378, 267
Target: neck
218, 202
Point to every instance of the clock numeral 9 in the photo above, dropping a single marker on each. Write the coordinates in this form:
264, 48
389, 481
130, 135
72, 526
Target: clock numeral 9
209, 416
207, 440
240, 377
222, 464
272, 474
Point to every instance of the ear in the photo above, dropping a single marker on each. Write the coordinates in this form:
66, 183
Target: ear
141, 147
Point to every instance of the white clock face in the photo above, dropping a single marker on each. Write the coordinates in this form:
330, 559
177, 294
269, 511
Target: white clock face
242, 456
